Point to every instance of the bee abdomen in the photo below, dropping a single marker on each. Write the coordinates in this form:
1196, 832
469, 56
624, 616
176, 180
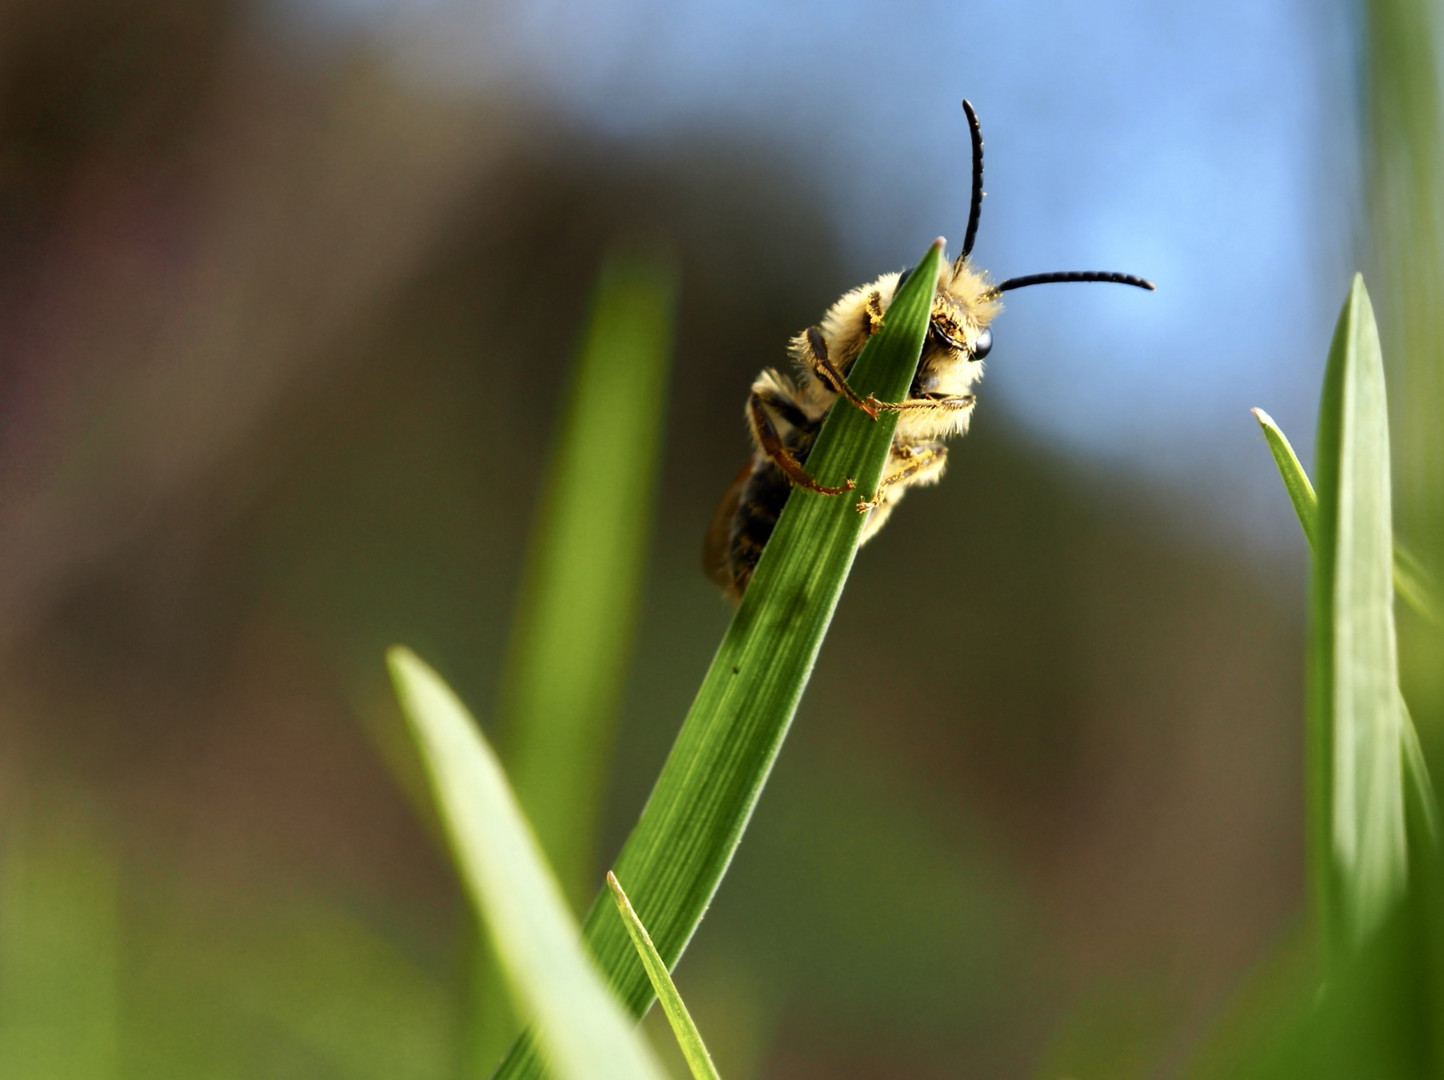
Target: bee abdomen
757, 513
763, 497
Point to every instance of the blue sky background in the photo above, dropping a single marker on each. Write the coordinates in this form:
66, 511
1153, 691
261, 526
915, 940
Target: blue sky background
1210, 147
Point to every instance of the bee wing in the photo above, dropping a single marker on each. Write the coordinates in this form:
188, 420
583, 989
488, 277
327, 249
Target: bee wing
717, 545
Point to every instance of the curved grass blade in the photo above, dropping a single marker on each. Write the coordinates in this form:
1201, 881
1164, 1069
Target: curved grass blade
1296, 481
1358, 856
1416, 770
675, 857
699, 1061
585, 1032
1416, 587
1411, 580
1410, 583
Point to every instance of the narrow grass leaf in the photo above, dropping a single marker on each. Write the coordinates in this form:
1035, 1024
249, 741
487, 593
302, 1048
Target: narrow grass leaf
1410, 583
699, 1061
1296, 481
1411, 580
576, 626
676, 855
1403, 96
1416, 587
1416, 771
585, 1032
1358, 857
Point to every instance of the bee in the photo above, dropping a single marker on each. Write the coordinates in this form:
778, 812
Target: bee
785, 411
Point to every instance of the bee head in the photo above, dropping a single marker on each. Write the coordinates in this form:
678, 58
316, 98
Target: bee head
963, 306
967, 301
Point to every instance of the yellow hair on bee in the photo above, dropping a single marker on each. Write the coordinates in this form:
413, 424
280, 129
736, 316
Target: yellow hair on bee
963, 306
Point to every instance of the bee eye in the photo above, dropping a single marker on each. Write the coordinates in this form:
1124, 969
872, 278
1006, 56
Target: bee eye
903, 277
982, 344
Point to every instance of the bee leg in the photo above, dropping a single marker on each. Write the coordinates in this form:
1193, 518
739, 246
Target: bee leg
872, 314
830, 375
937, 407
919, 463
771, 444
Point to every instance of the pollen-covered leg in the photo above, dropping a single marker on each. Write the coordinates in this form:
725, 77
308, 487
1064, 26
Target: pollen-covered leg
872, 314
910, 463
764, 432
829, 374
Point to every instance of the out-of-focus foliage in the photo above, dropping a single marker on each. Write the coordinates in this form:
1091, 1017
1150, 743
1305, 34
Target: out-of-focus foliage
1405, 157
109, 970
59, 953
572, 640
1358, 725
576, 629
1376, 1012
580, 1025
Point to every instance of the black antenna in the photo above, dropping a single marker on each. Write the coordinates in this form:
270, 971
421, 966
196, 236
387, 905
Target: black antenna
1070, 275
975, 211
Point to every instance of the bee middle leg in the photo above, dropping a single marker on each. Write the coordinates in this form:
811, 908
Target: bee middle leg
764, 431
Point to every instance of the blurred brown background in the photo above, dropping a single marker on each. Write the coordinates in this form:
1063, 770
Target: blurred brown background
283, 330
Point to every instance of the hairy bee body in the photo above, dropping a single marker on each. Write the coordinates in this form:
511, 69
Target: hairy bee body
785, 410
938, 406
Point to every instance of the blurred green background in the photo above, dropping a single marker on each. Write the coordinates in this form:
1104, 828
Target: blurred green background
289, 298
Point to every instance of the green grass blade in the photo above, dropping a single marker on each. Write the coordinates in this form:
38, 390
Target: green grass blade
690, 827
60, 949
1411, 580
1358, 853
1416, 770
688, 1037
585, 1032
1415, 587
576, 625
1404, 126
1296, 481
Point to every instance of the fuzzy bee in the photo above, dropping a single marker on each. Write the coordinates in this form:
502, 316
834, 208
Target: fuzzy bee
785, 412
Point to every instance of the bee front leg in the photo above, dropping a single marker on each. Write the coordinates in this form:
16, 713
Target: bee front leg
830, 375
764, 432
936, 408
